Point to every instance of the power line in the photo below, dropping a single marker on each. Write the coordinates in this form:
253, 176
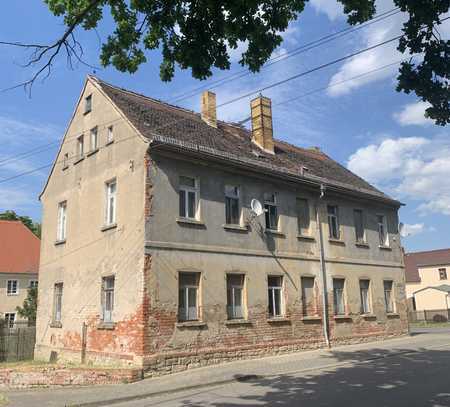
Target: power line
288, 54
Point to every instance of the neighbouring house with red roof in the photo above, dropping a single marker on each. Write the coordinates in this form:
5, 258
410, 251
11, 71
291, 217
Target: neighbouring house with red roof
19, 266
428, 279
172, 240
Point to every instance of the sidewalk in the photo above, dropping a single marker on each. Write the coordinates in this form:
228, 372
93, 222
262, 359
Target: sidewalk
225, 373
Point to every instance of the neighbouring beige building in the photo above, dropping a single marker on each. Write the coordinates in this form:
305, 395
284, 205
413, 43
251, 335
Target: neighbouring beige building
173, 240
19, 265
428, 279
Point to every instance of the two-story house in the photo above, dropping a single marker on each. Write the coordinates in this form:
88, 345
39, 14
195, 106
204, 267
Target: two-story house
152, 256
19, 266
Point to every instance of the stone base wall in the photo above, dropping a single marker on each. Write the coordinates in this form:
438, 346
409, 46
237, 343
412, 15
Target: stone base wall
16, 378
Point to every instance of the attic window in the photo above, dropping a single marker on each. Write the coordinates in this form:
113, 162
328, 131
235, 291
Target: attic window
87, 104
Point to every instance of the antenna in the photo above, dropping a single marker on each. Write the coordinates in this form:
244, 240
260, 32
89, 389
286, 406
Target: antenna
256, 207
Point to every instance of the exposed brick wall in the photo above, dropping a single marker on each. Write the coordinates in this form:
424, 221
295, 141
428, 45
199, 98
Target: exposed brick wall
60, 376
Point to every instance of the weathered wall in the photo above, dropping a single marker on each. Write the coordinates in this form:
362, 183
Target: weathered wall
90, 252
8, 303
215, 251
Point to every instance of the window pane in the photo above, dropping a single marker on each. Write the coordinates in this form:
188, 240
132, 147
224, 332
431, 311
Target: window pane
388, 296
232, 211
359, 225
182, 304
187, 181
271, 217
277, 294
191, 204
182, 196
231, 191
192, 303
364, 292
308, 295
188, 292
303, 218
338, 291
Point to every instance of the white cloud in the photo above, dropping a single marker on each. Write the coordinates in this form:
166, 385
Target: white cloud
16, 198
413, 114
332, 8
413, 167
412, 230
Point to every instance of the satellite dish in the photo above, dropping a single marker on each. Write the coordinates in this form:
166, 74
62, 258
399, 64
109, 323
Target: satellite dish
256, 207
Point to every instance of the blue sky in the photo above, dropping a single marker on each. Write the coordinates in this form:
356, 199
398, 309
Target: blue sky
363, 123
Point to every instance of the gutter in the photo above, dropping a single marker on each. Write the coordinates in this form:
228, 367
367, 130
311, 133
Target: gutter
169, 143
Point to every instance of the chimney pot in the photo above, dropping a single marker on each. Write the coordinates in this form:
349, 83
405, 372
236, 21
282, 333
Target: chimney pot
262, 132
208, 110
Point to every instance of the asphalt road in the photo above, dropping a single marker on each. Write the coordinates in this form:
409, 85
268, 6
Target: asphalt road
411, 379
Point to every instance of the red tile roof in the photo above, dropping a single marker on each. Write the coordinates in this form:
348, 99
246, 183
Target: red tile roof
429, 258
19, 248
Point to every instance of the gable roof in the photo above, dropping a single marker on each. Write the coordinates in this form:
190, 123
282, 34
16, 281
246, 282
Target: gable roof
427, 258
20, 248
162, 123
443, 287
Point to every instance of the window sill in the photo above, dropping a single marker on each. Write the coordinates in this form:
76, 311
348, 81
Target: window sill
12, 294
342, 317
232, 322
274, 233
235, 228
191, 324
109, 143
55, 325
336, 241
188, 221
311, 318
392, 314
274, 320
78, 161
87, 112
369, 316
306, 237
388, 248
92, 152
362, 245
108, 227
60, 242
106, 325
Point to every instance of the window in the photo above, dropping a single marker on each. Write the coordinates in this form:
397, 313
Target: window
270, 208
188, 197
107, 298
308, 298
111, 188
33, 283
359, 225
80, 146
388, 300
364, 294
94, 139
110, 135
62, 221
10, 319
333, 222
303, 218
57, 302
66, 160
235, 294
88, 104
12, 287
188, 296
338, 294
443, 274
232, 205
275, 287
382, 230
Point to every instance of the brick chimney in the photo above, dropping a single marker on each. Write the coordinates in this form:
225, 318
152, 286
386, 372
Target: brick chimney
262, 133
209, 114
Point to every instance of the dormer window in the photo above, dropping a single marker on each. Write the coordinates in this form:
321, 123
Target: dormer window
87, 104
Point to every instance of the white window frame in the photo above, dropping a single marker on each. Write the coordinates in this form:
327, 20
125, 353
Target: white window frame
9, 290
232, 192
58, 290
80, 146
382, 225
232, 308
111, 202
189, 189
270, 200
88, 104
366, 306
94, 139
61, 231
333, 217
8, 318
272, 298
33, 283
110, 135
338, 311
389, 306
108, 292
363, 238
185, 317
